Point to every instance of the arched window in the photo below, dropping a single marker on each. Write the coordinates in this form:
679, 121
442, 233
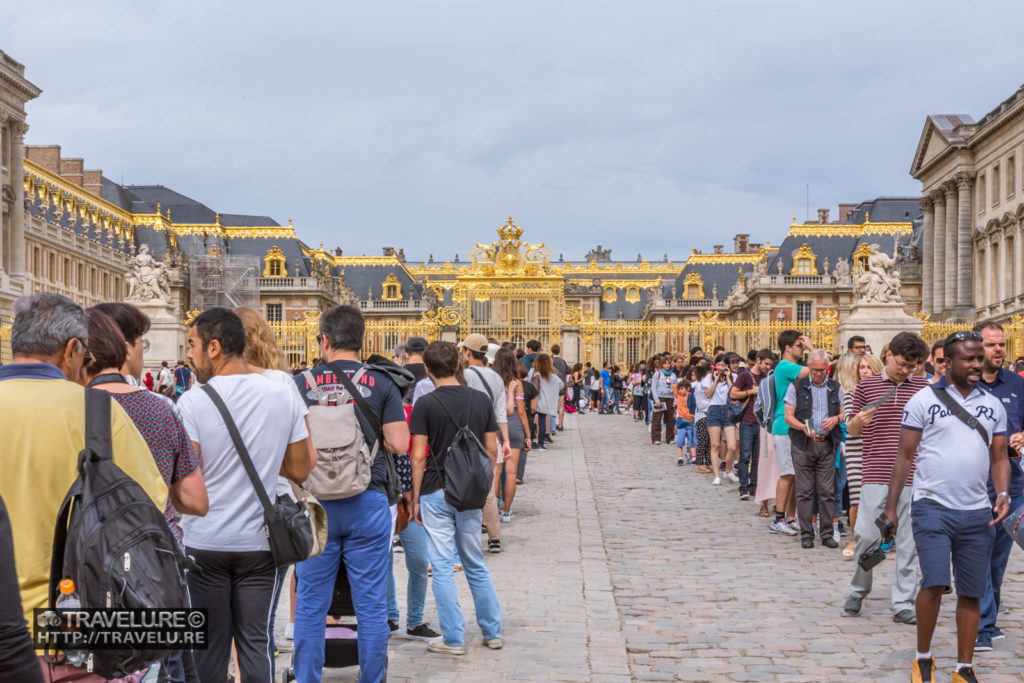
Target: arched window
274, 263
803, 262
392, 289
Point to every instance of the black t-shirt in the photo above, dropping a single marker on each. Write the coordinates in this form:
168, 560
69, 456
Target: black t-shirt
419, 371
429, 418
382, 397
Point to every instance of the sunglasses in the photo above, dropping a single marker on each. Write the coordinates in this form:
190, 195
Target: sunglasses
964, 335
939, 361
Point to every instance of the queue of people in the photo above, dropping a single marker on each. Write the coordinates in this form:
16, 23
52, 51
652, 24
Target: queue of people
920, 447
212, 443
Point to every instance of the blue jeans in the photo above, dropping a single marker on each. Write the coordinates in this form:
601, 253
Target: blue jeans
414, 543
750, 446
448, 530
606, 399
358, 534
1002, 544
685, 436
841, 479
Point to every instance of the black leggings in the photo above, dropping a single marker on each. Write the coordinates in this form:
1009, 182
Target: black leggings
18, 660
236, 588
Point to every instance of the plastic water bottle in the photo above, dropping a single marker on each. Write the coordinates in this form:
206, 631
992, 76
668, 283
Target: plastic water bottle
68, 599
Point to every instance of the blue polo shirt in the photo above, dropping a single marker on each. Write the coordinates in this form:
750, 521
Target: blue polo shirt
606, 378
1008, 387
30, 371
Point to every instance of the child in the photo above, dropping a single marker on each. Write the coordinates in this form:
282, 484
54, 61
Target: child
685, 438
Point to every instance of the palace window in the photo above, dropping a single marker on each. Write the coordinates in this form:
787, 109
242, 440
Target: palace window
803, 312
981, 193
275, 313
106, 286
995, 185
543, 312
693, 286
51, 270
482, 311
608, 349
1011, 176
67, 272
274, 264
803, 261
81, 277
518, 312
36, 262
392, 290
632, 349
1010, 267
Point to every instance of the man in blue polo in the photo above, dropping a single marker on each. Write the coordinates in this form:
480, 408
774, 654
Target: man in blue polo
1008, 387
951, 515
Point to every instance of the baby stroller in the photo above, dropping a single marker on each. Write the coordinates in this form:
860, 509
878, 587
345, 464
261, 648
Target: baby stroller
340, 645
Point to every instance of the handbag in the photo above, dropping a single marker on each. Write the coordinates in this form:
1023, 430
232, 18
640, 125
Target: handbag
736, 411
287, 523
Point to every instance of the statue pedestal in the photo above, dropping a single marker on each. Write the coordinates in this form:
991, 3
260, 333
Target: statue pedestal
878, 324
166, 334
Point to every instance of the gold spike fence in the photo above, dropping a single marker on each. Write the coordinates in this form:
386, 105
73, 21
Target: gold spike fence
932, 332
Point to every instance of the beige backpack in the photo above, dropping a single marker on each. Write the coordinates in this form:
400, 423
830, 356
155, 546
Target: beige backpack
344, 460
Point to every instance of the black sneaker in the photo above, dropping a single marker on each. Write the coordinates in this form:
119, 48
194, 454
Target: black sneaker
494, 546
422, 632
965, 675
393, 627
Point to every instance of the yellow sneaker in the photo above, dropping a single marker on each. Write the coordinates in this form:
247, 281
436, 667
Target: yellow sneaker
965, 675
923, 671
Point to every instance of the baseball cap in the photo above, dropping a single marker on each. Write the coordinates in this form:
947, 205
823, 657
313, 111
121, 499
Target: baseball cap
416, 344
475, 342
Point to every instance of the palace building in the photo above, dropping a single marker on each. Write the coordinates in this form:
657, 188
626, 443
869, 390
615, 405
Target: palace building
973, 197
70, 229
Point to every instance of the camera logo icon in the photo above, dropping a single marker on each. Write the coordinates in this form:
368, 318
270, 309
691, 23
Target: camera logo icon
48, 619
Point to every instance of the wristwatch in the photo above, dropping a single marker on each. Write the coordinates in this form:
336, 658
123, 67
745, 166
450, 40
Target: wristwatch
1005, 494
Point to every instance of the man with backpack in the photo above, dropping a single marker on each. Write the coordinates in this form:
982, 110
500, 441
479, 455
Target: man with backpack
235, 572
40, 460
458, 425
355, 497
183, 380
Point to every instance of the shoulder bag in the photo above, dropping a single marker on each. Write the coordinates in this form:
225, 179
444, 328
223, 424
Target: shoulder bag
960, 412
287, 523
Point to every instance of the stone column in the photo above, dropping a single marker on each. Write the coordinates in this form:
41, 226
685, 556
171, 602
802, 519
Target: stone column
927, 254
938, 256
965, 303
949, 257
1002, 267
18, 215
4, 222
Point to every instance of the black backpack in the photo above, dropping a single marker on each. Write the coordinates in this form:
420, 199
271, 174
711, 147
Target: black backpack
114, 543
468, 473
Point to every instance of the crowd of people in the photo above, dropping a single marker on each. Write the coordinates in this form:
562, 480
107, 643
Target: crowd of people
917, 448
378, 442
422, 453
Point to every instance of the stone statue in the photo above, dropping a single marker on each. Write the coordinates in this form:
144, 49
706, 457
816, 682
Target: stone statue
780, 265
825, 266
344, 294
430, 298
879, 282
842, 270
714, 291
148, 279
761, 267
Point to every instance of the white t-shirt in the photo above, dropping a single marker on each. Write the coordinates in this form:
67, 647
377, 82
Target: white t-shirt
475, 378
721, 395
165, 378
269, 417
952, 462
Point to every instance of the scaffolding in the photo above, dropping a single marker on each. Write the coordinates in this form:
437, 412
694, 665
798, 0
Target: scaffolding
219, 280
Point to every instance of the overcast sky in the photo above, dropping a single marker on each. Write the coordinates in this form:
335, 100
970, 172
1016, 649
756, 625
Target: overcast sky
643, 126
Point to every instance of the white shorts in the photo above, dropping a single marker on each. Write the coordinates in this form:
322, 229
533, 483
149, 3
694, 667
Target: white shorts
783, 454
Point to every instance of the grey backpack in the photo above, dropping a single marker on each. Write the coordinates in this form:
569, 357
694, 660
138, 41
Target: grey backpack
344, 459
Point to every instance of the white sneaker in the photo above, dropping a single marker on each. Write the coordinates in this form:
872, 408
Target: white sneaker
733, 477
717, 481
780, 527
506, 516
835, 535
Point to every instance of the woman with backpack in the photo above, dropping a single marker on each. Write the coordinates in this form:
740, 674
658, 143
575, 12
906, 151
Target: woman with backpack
548, 385
156, 421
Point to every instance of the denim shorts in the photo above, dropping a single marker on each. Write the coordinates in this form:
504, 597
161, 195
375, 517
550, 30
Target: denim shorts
685, 435
718, 416
942, 534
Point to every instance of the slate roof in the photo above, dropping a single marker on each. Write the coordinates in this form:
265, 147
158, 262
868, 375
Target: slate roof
948, 123
370, 279
887, 210
722, 275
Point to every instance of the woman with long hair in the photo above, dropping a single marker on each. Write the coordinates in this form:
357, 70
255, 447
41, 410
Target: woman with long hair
851, 369
700, 419
716, 388
577, 385
518, 427
547, 395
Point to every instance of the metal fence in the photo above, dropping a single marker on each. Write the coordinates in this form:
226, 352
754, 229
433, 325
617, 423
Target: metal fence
5, 344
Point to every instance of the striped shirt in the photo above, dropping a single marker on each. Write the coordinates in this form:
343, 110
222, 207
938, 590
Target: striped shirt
882, 434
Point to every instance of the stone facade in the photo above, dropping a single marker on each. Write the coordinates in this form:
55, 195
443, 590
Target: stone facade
973, 198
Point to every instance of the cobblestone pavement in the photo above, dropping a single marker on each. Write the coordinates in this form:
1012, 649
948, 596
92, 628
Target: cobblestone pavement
619, 565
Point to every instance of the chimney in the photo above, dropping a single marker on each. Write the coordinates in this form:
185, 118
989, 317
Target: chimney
718, 248
740, 243
844, 212
71, 171
92, 181
47, 156
823, 216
